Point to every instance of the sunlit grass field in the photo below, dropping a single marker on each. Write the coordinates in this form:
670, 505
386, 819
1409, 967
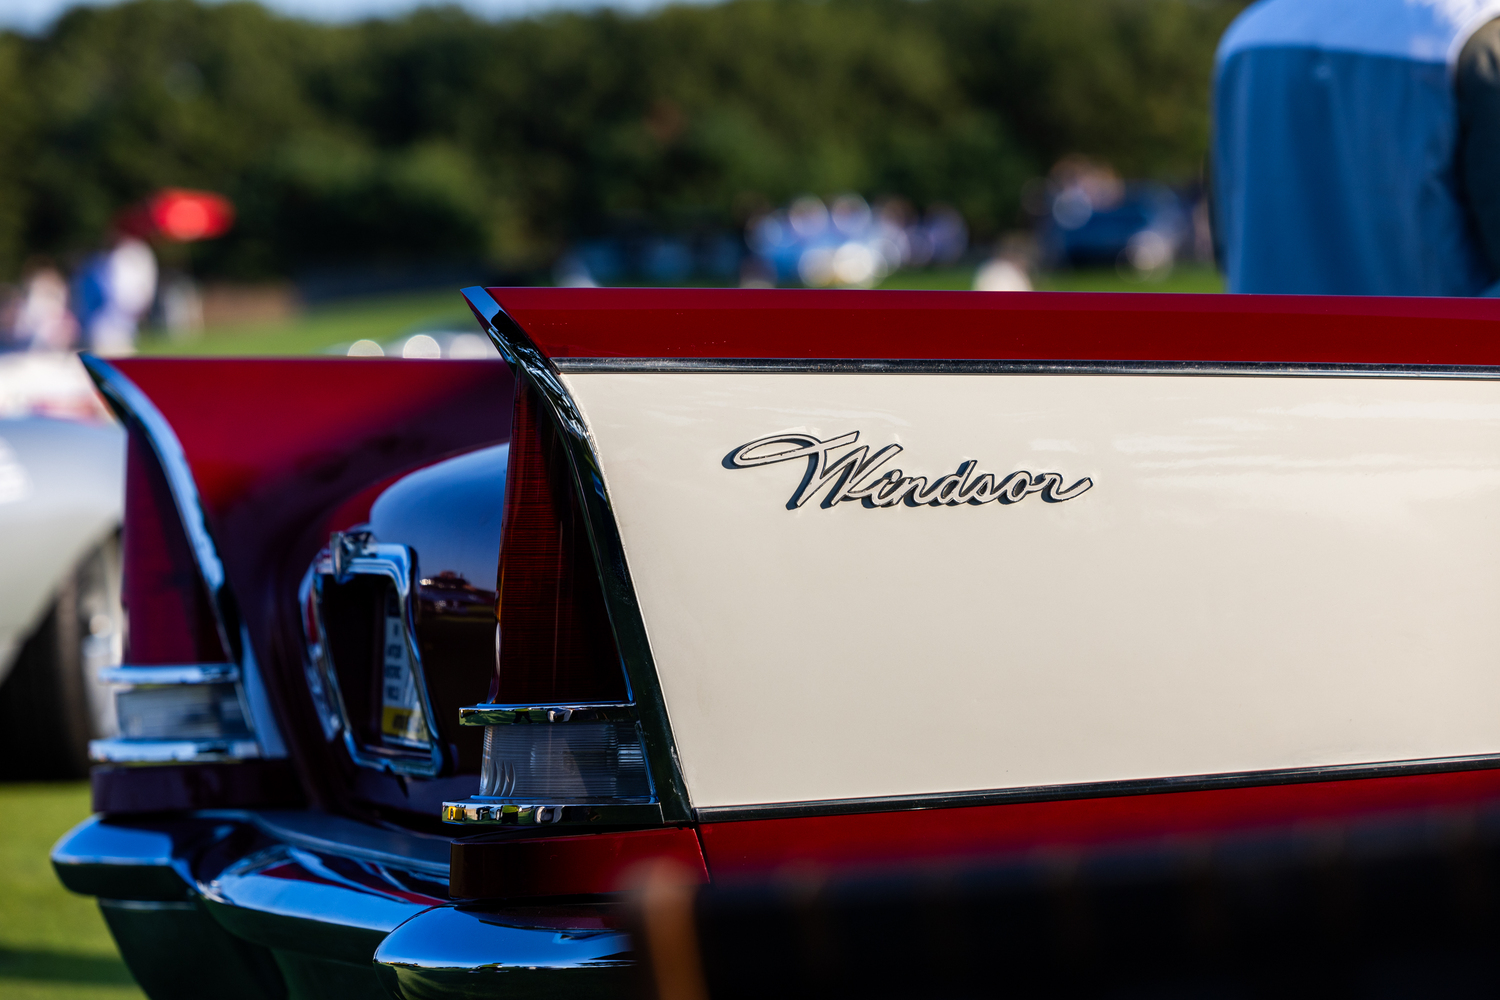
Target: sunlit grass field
53, 944
379, 318
386, 318
1187, 278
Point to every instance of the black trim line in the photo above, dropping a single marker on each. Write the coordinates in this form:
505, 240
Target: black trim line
1093, 790
1276, 369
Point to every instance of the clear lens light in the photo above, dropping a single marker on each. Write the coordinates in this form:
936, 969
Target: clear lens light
583, 762
182, 712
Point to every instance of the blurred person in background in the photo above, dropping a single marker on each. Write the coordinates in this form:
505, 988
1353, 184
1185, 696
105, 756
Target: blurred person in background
1356, 148
112, 292
1009, 270
42, 319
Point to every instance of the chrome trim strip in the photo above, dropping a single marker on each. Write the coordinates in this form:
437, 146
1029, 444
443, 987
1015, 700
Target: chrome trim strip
860, 366
172, 751
609, 555
145, 905
188, 673
314, 667
134, 409
1093, 790
499, 811
507, 715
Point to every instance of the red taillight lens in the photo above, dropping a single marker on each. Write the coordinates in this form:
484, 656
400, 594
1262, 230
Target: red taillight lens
168, 610
555, 644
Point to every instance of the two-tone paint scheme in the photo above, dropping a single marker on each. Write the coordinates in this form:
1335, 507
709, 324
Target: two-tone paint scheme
850, 580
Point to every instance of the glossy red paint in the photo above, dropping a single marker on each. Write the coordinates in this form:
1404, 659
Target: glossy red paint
567, 866
296, 871
1035, 326
245, 422
758, 847
166, 604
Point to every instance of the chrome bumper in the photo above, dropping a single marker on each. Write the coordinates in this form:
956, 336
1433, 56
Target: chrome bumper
267, 904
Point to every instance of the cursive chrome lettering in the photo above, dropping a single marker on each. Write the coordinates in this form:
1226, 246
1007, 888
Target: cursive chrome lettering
854, 476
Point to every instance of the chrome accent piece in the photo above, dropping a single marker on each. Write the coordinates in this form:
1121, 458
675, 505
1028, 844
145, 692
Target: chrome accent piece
344, 547
257, 700
898, 366
1092, 790
493, 811
352, 554
314, 669
853, 476
172, 751
609, 555
103, 857
506, 715
188, 673
136, 411
146, 906
471, 951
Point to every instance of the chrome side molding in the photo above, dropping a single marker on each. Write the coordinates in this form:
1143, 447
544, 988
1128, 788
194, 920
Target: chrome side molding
192, 673
497, 813
506, 715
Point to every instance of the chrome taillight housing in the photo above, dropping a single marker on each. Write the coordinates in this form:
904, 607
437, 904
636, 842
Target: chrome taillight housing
365, 666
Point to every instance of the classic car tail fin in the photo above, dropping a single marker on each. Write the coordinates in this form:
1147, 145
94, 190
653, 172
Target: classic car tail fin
190, 691
565, 736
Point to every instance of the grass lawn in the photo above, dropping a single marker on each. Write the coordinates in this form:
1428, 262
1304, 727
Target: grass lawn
53, 944
380, 318
1186, 278
386, 318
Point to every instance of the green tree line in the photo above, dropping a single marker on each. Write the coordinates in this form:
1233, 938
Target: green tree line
442, 136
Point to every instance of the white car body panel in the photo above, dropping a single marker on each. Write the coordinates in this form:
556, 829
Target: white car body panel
61, 484
61, 492
1267, 573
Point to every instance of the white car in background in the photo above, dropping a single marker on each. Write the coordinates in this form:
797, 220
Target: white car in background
62, 465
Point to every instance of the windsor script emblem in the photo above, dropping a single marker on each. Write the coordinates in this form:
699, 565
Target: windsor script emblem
855, 475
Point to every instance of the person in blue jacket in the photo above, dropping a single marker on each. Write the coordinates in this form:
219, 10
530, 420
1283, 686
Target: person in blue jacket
1356, 147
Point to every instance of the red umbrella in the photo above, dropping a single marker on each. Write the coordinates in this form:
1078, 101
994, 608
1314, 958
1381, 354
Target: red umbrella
181, 215
186, 216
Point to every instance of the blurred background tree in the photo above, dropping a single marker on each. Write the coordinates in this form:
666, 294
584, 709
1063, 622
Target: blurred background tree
442, 136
